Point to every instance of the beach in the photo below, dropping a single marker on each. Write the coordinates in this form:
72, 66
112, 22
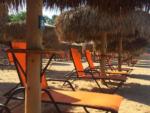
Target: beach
136, 91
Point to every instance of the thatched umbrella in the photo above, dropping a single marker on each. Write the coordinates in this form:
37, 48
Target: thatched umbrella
17, 31
134, 25
34, 35
86, 23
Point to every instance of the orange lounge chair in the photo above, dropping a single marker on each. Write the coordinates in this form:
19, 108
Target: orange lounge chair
106, 102
79, 73
111, 66
113, 70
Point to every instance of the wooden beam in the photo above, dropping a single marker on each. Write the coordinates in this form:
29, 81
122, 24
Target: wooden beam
120, 53
34, 41
103, 52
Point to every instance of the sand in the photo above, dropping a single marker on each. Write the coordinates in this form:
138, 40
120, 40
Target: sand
136, 91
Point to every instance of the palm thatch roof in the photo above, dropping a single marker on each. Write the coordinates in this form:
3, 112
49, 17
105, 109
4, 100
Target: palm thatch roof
109, 6
86, 23
83, 24
135, 24
17, 31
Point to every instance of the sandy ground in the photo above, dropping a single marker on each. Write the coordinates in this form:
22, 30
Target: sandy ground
136, 91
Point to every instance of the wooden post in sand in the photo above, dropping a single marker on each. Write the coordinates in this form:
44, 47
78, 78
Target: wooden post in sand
103, 52
120, 54
34, 42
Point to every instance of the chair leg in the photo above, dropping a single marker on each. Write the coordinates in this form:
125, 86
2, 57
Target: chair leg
50, 96
120, 84
98, 85
68, 79
85, 109
9, 92
4, 108
15, 92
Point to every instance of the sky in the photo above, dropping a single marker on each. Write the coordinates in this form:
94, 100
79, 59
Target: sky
48, 12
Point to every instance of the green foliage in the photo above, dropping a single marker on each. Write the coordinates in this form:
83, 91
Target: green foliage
17, 17
22, 17
50, 21
53, 18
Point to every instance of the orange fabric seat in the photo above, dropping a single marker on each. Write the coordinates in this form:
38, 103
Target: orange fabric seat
90, 99
91, 65
94, 74
80, 71
124, 71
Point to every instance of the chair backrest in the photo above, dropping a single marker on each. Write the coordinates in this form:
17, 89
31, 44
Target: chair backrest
19, 59
76, 57
89, 59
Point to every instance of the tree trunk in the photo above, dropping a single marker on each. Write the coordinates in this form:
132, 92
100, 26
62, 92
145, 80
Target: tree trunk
94, 51
120, 54
34, 42
103, 52
3, 17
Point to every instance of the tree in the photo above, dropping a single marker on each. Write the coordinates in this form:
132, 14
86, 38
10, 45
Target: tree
50, 21
47, 20
17, 17
22, 17
53, 19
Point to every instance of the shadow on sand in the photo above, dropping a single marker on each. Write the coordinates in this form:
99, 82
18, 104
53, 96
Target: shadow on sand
18, 106
132, 91
140, 76
136, 92
60, 64
143, 63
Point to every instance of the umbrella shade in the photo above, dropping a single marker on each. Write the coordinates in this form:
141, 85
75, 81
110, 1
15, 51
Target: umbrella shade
135, 24
86, 23
83, 24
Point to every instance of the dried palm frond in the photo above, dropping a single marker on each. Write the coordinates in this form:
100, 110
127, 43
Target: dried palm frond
17, 31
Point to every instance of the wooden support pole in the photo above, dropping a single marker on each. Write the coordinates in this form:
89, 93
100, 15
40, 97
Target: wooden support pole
120, 48
34, 41
94, 51
103, 52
